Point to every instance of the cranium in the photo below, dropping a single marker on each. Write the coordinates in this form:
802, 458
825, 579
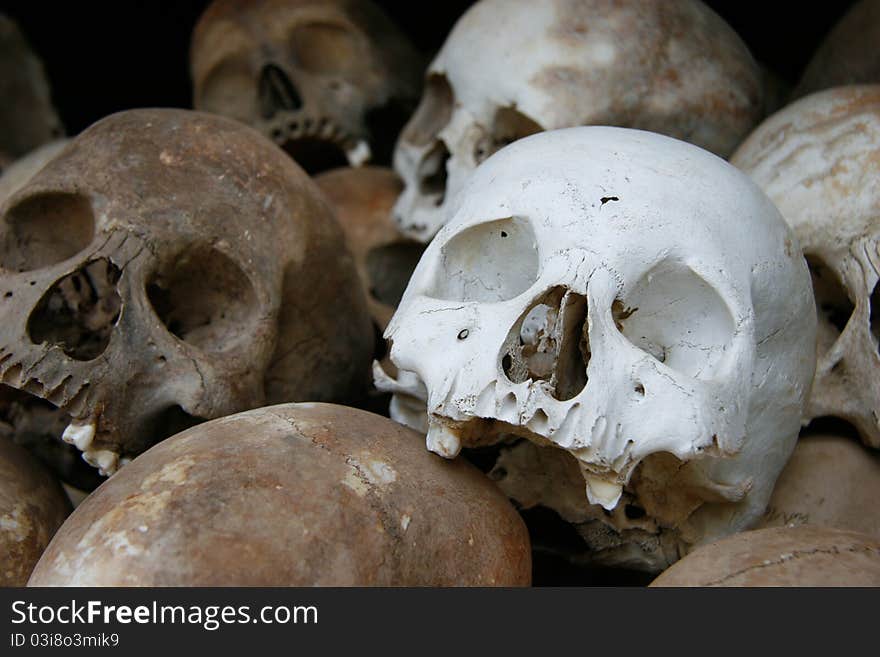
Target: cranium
819, 160
511, 68
168, 266
323, 79
848, 55
27, 118
631, 300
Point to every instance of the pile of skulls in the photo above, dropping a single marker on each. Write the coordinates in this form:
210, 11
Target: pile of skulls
618, 283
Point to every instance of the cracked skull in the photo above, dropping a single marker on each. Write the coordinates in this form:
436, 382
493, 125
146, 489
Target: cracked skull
628, 300
511, 68
819, 160
328, 81
167, 267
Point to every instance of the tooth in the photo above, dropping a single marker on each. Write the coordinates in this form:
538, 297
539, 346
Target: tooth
80, 435
105, 460
442, 441
601, 491
359, 153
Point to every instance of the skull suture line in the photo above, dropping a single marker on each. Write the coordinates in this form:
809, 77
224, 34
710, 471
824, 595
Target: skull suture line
169, 266
325, 79
511, 68
628, 298
819, 160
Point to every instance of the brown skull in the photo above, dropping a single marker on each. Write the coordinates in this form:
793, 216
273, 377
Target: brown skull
166, 267
385, 259
325, 80
27, 118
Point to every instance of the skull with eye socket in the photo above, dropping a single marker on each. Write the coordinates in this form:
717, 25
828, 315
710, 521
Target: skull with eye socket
330, 81
819, 160
633, 305
512, 68
168, 267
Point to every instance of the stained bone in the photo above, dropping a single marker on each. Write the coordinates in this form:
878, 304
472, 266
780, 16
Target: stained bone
512, 68
819, 160
685, 303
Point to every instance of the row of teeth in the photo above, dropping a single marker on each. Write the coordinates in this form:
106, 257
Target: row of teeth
357, 152
81, 436
603, 489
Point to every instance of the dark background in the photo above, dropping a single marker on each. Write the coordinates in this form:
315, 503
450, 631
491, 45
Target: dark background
102, 57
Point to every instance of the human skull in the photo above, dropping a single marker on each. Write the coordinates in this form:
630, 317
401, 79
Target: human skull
819, 160
848, 55
511, 68
27, 117
630, 299
167, 267
325, 79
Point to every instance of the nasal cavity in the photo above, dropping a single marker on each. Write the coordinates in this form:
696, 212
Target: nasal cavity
432, 173
79, 311
277, 92
550, 343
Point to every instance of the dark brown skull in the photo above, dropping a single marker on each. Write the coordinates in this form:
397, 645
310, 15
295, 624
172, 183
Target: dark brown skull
327, 80
166, 267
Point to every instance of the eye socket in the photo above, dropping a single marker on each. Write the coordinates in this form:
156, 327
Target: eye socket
324, 48
678, 318
432, 114
389, 269
494, 261
508, 126
833, 305
44, 230
230, 89
205, 299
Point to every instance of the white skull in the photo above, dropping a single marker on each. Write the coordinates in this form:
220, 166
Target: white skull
630, 299
819, 160
511, 68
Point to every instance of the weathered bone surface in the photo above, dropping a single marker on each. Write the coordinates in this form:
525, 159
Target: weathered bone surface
832, 481
849, 54
819, 161
628, 298
32, 508
328, 80
165, 268
310, 494
385, 259
511, 68
27, 117
781, 556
